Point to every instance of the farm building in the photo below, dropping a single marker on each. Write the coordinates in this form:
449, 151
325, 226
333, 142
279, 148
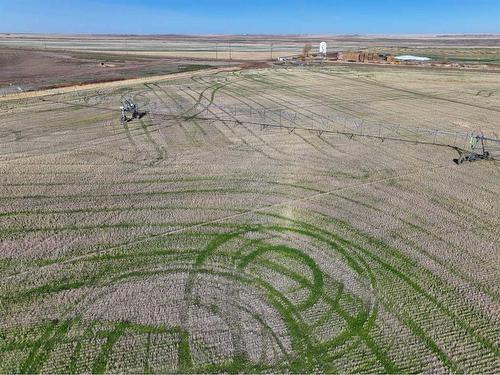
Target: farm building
333, 56
364, 57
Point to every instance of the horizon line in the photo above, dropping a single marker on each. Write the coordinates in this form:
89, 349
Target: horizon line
257, 34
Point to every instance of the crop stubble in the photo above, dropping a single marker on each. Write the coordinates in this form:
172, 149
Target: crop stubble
336, 254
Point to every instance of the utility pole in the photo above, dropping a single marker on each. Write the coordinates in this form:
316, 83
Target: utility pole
230, 52
216, 51
271, 51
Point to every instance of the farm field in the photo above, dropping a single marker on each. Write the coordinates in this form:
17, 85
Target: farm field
27, 70
230, 229
471, 49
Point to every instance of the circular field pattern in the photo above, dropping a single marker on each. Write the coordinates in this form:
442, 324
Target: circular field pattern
249, 301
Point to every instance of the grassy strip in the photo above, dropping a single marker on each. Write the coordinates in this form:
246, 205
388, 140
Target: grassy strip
73, 364
316, 287
42, 348
31, 359
150, 194
184, 353
113, 209
158, 148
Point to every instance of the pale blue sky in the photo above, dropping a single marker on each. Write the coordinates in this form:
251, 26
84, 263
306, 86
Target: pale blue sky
251, 16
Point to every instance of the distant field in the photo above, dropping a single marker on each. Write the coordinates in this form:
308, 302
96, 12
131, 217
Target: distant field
26, 70
471, 49
205, 238
465, 55
32, 62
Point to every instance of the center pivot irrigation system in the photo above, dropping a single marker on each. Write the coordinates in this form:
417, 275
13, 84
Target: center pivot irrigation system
477, 142
481, 147
128, 106
478, 150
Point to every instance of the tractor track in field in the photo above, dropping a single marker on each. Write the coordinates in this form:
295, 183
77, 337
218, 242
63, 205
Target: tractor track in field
404, 104
417, 93
193, 119
261, 140
309, 94
211, 102
449, 114
276, 101
243, 140
282, 105
312, 95
186, 131
236, 119
245, 103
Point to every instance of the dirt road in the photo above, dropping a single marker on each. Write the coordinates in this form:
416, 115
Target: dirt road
112, 84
